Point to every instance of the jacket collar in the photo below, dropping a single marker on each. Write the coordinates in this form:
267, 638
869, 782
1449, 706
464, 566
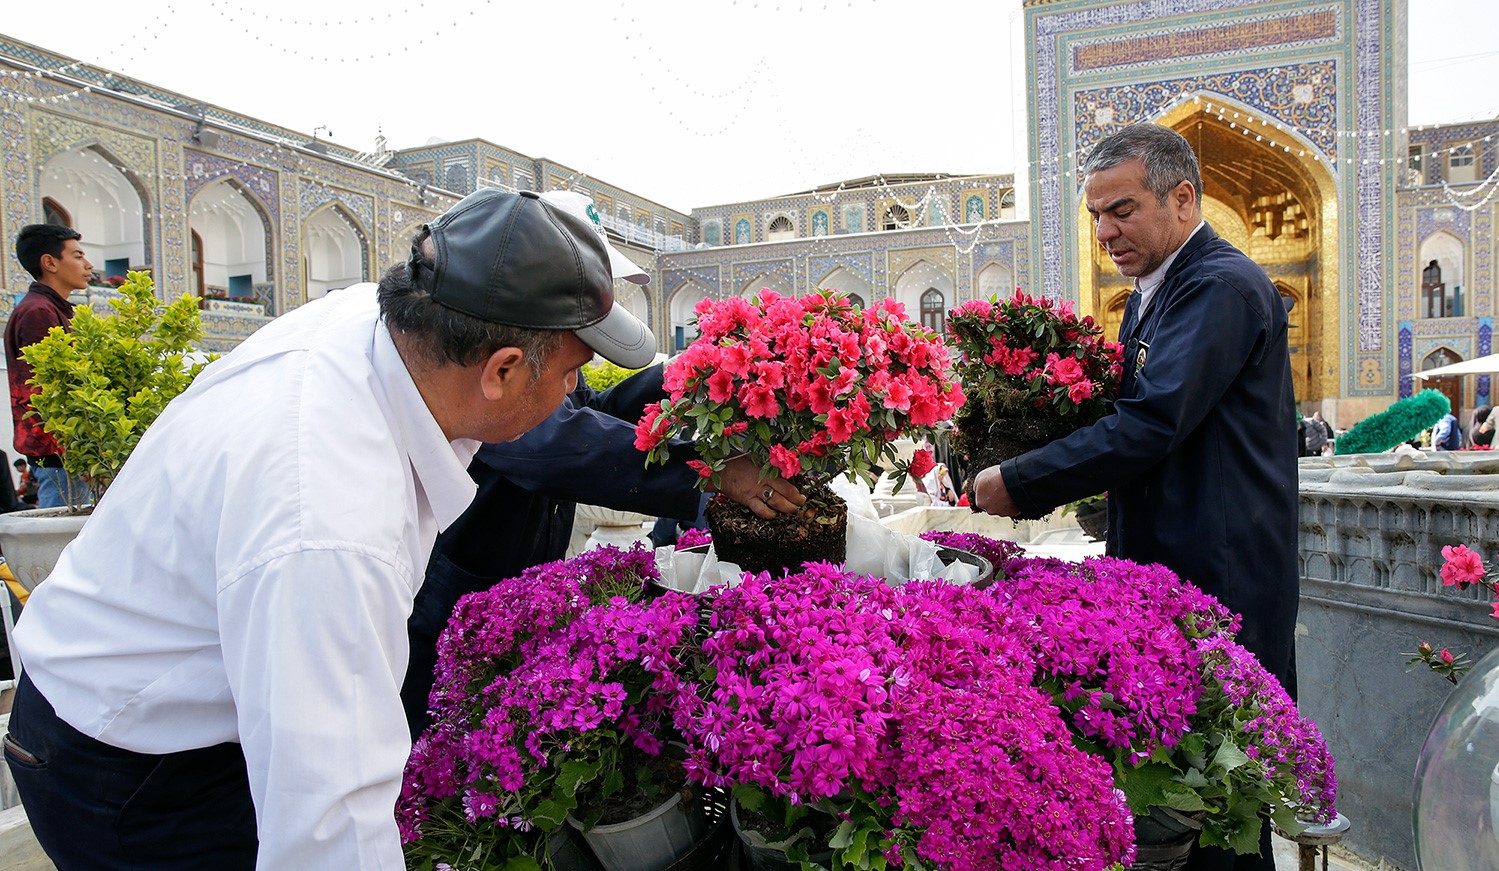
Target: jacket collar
1190, 251
53, 296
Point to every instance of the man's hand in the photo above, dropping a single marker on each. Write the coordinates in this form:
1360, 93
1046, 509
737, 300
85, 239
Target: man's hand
991, 495
740, 481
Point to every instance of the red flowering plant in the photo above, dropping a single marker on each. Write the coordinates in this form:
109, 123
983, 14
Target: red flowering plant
1032, 371
809, 387
1462, 568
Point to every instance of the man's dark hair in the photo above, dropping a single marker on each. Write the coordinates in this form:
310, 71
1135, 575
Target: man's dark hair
441, 335
1168, 157
38, 239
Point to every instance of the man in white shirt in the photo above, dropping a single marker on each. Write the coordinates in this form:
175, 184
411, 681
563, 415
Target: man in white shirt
215, 660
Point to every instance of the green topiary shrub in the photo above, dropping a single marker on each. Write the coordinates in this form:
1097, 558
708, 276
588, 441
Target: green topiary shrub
104, 381
1400, 422
604, 375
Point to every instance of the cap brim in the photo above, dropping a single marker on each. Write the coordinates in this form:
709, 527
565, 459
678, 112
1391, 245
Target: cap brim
623, 267
621, 339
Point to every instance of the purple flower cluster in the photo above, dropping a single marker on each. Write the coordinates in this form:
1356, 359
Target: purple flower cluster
913, 706
692, 537
1286, 749
550, 668
1007, 728
1114, 640
1001, 554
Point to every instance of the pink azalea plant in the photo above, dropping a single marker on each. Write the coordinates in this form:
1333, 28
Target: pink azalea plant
808, 386
1032, 372
1462, 568
1027, 356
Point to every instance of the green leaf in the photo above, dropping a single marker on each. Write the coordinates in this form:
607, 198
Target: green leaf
1229, 756
842, 836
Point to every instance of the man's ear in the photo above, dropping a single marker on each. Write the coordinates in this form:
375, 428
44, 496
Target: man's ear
1185, 199
49, 263
505, 371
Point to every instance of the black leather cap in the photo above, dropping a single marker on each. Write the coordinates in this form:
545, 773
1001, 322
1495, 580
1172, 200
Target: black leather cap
514, 259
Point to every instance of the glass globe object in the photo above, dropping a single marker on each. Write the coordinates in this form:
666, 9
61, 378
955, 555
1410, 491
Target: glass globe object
1457, 778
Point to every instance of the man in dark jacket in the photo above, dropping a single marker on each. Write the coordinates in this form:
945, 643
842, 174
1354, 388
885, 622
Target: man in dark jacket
1199, 456
57, 263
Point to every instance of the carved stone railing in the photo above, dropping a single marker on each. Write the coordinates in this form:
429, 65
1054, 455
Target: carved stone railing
1372, 528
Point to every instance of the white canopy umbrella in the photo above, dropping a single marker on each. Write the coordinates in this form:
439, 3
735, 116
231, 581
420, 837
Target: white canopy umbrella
1488, 365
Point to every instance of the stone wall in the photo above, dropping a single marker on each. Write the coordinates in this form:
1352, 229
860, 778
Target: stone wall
1371, 533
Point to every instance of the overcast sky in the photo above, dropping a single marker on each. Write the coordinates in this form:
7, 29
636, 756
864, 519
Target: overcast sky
687, 102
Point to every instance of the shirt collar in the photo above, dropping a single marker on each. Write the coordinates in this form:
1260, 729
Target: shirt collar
440, 466
1147, 284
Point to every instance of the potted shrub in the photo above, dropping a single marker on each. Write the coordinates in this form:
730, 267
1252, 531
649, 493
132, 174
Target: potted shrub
100, 384
549, 706
810, 387
1032, 372
906, 715
1204, 743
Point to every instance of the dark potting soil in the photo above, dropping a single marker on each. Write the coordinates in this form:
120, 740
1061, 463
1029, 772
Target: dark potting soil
816, 534
990, 441
634, 800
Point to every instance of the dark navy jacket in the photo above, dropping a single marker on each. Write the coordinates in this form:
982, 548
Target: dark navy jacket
1199, 456
523, 512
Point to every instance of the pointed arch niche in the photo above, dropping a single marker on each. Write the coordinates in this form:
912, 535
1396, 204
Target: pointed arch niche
634, 298
232, 229
924, 288
1268, 195
336, 251
845, 280
104, 203
1442, 266
681, 310
995, 280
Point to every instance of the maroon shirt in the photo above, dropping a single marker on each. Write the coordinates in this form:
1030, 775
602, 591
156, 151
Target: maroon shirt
39, 311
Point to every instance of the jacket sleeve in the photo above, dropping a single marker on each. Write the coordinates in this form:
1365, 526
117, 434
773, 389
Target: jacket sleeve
1210, 331
583, 454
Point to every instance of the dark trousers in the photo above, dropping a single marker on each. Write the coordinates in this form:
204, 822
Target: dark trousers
101, 808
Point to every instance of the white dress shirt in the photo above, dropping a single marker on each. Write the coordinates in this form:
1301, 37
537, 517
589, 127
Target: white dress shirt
249, 574
1147, 285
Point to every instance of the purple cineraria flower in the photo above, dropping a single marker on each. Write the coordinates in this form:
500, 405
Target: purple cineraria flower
536, 672
1285, 750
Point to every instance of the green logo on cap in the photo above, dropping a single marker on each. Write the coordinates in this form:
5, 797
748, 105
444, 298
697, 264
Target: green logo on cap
593, 214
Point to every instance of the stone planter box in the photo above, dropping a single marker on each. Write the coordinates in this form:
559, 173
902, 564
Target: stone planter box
1372, 528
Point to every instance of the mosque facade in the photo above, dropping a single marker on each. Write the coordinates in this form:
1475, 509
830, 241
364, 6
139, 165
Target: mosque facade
1382, 235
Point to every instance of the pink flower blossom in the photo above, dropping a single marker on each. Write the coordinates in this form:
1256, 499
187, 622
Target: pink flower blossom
922, 462
1063, 370
1462, 566
785, 460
